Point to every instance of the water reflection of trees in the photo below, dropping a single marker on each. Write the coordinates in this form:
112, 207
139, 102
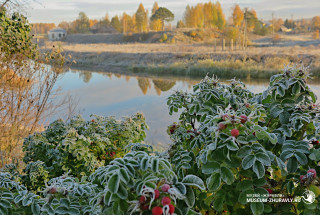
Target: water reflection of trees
85, 76
163, 85
159, 85
144, 84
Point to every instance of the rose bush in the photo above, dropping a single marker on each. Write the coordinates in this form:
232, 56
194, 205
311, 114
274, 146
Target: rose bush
245, 143
79, 146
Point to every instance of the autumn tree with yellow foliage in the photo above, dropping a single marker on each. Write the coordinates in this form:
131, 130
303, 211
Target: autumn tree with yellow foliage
237, 16
141, 19
206, 15
128, 23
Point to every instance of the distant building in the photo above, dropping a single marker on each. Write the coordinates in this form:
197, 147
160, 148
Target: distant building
57, 34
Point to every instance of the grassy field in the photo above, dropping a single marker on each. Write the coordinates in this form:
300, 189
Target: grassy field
195, 59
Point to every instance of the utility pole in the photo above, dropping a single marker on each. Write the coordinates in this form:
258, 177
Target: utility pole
272, 28
245, 28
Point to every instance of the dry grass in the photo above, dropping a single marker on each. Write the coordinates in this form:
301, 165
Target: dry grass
144, 48
179, 56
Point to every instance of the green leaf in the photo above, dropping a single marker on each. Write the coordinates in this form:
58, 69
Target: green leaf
280, 91
35, 208
258, 168
248, 161
144, 163
267, 209
210, 167
155, 164
273, 138
244, 195
218, 203
280, 163
124, 175
227, 175
61, 210
257, 207
3, 210
244, 185
193, 180
74, 211
301, 157
190, 197
122, 191
232, 146
290, 187
244, 151
5, 203
275, 112
260, 182
107, 198
284, 118
213, 182
181, 188
27, 200
263, 158
292, 165
315, 155
113, 183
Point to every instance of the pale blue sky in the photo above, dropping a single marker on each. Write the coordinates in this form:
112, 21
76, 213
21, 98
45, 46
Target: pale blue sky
58, 10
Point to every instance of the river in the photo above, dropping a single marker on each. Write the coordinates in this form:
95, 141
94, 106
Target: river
118, 95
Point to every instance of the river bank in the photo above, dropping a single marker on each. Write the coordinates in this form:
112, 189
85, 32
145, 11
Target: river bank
189, 59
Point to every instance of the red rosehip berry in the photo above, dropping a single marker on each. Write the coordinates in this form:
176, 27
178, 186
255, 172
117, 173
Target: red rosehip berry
243, 119
53, 190
156, 194
247, 105
302, 178
313, 171
165, 201
269, 191
157, 210
92, 120
221, 126
142, 200
171, 209
254, 133
171, 131
235, 132
165, 188
225, 116
144, 207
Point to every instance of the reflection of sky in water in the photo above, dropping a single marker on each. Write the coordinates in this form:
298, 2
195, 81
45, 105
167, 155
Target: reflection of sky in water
105, 94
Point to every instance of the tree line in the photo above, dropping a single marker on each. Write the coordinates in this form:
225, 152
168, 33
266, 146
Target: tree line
203, 15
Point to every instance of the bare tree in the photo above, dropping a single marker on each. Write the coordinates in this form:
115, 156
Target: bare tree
27, 99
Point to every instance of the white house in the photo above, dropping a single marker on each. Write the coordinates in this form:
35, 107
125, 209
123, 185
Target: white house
57, 34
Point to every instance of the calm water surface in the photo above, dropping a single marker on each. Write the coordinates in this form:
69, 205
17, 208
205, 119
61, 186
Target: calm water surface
118, 95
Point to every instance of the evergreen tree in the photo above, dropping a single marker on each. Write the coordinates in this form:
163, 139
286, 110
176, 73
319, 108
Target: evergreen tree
163, 14
115, 22
105, 21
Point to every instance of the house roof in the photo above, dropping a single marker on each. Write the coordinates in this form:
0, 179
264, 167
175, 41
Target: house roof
58, 30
